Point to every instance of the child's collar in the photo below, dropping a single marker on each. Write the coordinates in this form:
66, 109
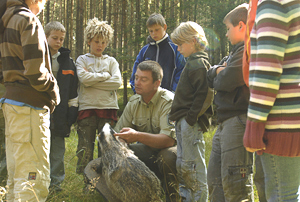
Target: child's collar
91, 55
55, 55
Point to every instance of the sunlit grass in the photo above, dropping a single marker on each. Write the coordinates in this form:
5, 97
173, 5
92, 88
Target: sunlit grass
208, 136
73, 185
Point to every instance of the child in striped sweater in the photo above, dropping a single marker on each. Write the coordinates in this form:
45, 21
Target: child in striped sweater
273, 124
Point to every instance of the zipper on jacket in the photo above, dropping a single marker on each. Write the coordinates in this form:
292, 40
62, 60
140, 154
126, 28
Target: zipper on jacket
157, 53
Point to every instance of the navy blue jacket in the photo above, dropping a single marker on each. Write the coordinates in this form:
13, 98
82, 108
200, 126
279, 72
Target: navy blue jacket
64, 116
165, 53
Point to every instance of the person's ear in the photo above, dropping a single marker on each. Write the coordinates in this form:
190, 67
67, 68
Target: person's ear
165, 27
241, 25
194, 40
157, 83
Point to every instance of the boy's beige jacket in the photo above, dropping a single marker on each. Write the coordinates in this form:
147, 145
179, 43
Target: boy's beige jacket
98, 85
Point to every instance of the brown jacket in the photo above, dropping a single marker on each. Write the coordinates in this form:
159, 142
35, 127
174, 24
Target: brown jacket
25, 62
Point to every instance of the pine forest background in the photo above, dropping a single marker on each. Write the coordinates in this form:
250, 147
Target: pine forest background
128, 19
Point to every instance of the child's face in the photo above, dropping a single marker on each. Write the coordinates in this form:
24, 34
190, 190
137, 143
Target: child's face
97, 46
157, 32
187, 48
36, 7
235, 34
55, 40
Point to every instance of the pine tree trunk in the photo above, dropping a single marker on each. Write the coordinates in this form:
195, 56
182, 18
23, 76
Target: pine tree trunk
79, 28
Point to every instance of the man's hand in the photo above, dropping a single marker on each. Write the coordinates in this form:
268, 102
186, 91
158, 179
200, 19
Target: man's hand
159, 141
128, 134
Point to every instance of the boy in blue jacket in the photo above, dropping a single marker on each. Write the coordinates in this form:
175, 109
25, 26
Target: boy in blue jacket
65, 114
162, 50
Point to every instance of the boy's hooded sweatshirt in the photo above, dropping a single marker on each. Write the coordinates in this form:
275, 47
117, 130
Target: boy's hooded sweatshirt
25, 62
193, 97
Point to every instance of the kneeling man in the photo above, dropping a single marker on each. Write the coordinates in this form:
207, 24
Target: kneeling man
145, 122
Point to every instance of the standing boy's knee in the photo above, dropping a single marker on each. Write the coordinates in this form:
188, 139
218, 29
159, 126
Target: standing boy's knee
189, 175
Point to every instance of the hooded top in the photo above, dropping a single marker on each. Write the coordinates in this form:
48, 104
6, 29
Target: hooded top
98, 85
25, 63
193, 97
166, 54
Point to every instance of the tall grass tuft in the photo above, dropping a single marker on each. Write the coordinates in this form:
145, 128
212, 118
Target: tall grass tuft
73, 187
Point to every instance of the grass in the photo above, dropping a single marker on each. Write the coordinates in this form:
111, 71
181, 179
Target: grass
73, 185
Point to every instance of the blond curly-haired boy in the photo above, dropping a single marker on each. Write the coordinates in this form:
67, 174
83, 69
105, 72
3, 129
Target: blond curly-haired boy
99, 78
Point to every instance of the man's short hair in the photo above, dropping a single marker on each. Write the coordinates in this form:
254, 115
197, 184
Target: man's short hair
54, 25
96, 28
156, 19
154, 67
238, 14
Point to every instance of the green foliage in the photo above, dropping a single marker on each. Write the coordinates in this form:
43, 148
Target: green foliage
208, 136
120, 98
73, 185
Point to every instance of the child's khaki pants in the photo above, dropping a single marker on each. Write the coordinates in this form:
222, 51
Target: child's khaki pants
27, 149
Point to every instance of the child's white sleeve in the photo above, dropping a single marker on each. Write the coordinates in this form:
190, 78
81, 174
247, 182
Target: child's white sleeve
73, 102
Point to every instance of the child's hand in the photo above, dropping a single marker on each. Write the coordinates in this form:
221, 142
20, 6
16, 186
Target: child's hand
106, 75
219, 69
254, 150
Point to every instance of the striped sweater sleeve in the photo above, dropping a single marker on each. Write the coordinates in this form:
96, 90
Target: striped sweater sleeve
274, 71
36, 58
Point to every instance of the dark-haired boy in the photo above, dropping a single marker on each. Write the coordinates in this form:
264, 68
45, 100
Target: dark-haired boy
162, 50
230, 166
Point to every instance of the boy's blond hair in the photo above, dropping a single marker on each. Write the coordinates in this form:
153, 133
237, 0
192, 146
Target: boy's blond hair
186, 32
54, 25
99, 29
238, 14
156, 19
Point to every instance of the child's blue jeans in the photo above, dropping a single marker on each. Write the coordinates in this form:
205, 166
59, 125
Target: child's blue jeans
190, 164
282, 177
